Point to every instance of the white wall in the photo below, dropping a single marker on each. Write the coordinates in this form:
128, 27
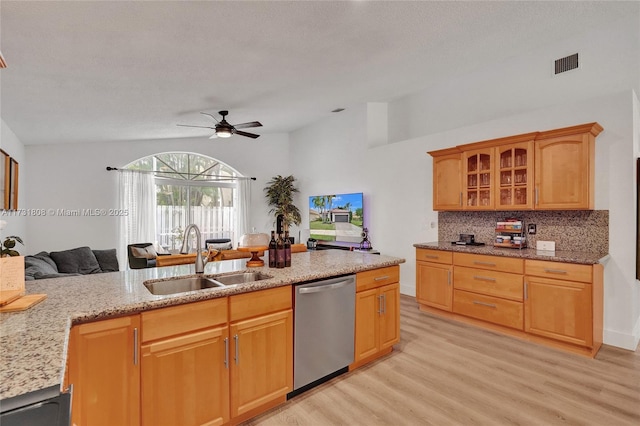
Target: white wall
74, 176
16, 224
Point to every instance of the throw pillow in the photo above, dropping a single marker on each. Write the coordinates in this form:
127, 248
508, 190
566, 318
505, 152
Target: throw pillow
80, 260
219, 246
144, 252
39, 265
107, 260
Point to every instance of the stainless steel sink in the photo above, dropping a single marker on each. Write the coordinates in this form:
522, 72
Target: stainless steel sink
180, 285
241, 278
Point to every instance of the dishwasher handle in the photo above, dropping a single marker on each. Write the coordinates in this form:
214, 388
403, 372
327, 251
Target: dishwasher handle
324, 287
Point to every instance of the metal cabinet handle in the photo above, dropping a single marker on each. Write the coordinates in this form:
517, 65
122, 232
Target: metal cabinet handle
384, 277
490, 305
555, 271
478, 262
481, 278
226, 352
384, 304
525, 291
449, 277
431, 256
135, 346
461, 199
536, 202
379, 305
237, 355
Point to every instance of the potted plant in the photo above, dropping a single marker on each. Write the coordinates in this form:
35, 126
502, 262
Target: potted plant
11, 269
279, 193
8, 246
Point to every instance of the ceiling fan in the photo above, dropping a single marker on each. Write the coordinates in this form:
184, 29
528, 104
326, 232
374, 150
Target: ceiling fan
224, 130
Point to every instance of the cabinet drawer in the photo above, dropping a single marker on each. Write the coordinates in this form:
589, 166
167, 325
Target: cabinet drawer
174, 320
559, 271
436, 256
377, 277
494, 263
490, 283
491, 309
261, 302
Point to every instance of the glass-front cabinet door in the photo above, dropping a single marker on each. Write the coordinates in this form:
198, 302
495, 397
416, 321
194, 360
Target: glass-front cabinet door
514, 176
478, 193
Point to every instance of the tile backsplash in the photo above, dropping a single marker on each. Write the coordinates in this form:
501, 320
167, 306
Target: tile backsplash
580, 230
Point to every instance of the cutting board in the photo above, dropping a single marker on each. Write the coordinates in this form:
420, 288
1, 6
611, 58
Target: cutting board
25, 302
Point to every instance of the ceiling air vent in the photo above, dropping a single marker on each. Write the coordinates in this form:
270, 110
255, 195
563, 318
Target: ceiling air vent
565, 64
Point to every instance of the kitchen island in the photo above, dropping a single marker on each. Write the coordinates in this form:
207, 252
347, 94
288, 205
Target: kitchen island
33, 344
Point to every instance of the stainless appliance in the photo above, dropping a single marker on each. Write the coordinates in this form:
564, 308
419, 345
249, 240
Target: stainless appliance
46, 407
324, 327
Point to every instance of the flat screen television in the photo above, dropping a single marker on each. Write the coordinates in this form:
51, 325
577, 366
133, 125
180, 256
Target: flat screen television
336, 217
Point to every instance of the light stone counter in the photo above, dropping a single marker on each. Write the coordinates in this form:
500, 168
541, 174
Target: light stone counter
33, 343
580, 257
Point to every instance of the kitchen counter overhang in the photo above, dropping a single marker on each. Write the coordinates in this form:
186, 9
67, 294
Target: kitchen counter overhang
33, 343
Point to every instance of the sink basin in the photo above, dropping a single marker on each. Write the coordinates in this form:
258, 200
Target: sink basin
180, 285
241, 278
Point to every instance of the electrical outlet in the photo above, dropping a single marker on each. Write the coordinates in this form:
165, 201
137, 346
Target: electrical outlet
546, 245
532, 228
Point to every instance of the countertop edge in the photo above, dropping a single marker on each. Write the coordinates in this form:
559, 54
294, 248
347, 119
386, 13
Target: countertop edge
566, 256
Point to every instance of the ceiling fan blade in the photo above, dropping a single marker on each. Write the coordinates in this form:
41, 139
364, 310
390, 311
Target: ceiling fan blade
247, 125
189, 125
210, 115
247, 134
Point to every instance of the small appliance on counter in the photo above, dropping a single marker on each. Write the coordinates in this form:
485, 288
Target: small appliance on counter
467, 240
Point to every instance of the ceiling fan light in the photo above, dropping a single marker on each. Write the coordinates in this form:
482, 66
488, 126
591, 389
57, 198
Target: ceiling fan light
223, 133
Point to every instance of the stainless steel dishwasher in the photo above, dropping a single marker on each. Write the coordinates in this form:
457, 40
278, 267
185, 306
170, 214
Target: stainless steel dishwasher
324, 327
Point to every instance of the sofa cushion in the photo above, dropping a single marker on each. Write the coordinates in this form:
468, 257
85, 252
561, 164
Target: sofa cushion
39, 265
144, 252
107, 259
79, 260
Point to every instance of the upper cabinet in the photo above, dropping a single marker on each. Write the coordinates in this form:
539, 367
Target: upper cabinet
478, 179
447, 181
551, 170
564, 168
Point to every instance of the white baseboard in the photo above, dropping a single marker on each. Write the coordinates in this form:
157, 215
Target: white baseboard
623, 340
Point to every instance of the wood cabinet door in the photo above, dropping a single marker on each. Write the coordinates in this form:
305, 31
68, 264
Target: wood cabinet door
564, 172
434, 285
367, 333
514, 176
560, 310
104, 370
261, 357
447, 182
478, 179
390, 317
185, 379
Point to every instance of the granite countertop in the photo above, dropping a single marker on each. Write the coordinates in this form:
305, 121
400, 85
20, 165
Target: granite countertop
583, 258
33, 343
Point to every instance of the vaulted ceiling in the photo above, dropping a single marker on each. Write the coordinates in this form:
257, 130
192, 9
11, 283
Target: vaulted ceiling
86, 71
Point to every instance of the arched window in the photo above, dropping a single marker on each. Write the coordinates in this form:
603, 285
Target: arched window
192, 188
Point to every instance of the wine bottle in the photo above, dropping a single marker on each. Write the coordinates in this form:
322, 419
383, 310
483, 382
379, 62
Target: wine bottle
280, 257
287, 249
272, 250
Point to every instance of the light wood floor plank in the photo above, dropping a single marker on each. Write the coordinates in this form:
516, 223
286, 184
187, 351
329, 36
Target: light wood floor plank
447, 373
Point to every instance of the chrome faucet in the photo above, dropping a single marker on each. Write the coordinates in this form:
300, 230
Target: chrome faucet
185, 244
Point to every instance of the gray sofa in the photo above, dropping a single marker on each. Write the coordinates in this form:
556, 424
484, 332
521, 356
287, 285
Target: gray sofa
77, 261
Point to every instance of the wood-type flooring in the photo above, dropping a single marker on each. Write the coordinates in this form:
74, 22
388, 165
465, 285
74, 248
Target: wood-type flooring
447, 373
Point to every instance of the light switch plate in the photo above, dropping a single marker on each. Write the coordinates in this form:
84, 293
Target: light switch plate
546, 245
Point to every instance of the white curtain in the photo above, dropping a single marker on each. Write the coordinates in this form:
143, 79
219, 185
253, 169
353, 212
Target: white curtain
242, 209
138, 198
